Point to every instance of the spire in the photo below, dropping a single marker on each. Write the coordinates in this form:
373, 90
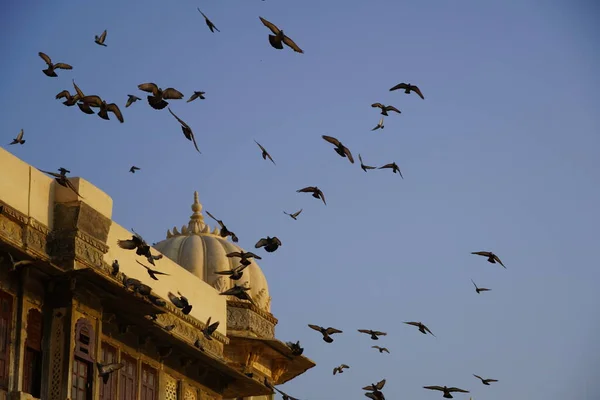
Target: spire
196, 224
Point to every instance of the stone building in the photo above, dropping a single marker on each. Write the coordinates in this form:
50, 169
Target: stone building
65, 309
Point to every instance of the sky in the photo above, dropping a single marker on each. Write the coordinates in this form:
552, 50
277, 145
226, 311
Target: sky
502, 155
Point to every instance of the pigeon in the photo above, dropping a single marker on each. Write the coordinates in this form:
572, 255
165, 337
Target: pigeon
342, 150
478, 289
16, 264
131, 99
100, 39
196, 95
279, 37
140, 246
446, 390
294, 216
269, 243
96, 101
169, 328
316, 192
19, 138
50, 71
84, 107
265, 153
240, 292
297, 350
152, 272
492, 258
209, 329
180, 302
375, 389
137, 286
133, 169
385, 109
381, 349
115, 268
379, 125
104, 370
363, 166
340, 369
394, 167
284, 395
158, 97
244, 256
224, 232
156, 300
374, 334
211, 26
408, 88
187, 131
422, 328
62, 179
485, 381
326, 332
235, 274
70, 101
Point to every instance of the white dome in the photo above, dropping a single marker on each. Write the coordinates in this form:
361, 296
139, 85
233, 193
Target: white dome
203, 252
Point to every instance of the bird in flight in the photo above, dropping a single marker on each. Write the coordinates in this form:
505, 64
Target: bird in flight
269, 243
326, 332
196, 95
342, 150
100, 39
316, 192
131, 99
492, 258
447, 390
62, 179
19, 138
133, 169
485, 381
104, 370
209, 329
158, 97
363, 166
265, 153
374, 334
381, 349
211, 26
97, 102
234, 274
140, 246
244, 256
375, 390
294, 216
279, 37
240, 292
180, 302
478, 289
84, 107
152, 272
187, 131
340, 369
379, 125
422, 328
407, 87
50, 71
385, 109
394, 167
224, 232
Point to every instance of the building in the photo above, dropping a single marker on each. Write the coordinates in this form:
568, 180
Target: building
67, 310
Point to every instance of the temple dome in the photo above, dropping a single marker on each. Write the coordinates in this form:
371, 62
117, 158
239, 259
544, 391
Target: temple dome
203, 252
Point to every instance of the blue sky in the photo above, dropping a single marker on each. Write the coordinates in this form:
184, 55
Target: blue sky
501, 155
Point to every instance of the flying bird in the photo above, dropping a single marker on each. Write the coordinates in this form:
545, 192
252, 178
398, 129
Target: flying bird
381, 349
158, 97
240, 292
19, 138
284, 395
224, 232
478, 289
100, 39
316, 192
379, 125
50, 71
70, 101
279, 37
297, 350
385, 109
492, 258
422, 328
97, 102
235, 274
133, 169
374, 334
326, 332
265, 153
62, 179
131, 99
446, 390
84, 107
340, 369
342, 150
140, 246
394, 167
16, 264
209, 329
104, 370
408, 88
485, 381
196, 95
152, 272
211, 26
244, 256
294, 216
269, 243
187, 131
363, 166
375, 389
180, 302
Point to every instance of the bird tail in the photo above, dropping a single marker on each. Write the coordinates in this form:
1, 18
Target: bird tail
275, 42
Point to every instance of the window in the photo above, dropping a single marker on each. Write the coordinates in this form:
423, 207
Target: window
32, 365
81, 387
128, 378
83, 364
149, 383
6, 306
108, 391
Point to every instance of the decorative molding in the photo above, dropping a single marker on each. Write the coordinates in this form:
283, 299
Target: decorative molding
190, 333
11, 229
278, 368
247, 320
247, 305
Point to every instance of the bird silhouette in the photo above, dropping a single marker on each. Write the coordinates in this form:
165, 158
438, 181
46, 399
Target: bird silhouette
105, 370
407, 87
234, 274
478, 289
265, 153
374, 334
492, 258
342, 150
50, 71
279, 38
187, 131
97, 102
385, 109
485, 381
269, 243
180, 302
381, 349
326, 332
294, 216
394, 167
158, 98
244, 256
152, 272
316, 192
422, 328
100, 39
379, 125
131, 99
340, 369
196, 95
209, 329
133, 169
239, 292
62, 179
363, 166
19, 138
209, 23
224, 232
447, 390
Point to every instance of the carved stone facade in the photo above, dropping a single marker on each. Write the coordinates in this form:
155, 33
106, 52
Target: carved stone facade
246, 318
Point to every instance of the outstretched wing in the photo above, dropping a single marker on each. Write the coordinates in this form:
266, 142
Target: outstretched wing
297, 213
261, 243
234, 254
378, 105
331, 140
417, 91
498, 260
368, 332
115, 110
455, 389
46, 58
391, 165
92, 101
331, 331
392, 108
308, 189
380, 384
400, 86
482, 253
62, 66
177, 302
434, 388
102, 37
477, 376
177, 118
412, 323
348, 154
315, 327
287, 40
149, 87
270, 25
172, 94
129, 244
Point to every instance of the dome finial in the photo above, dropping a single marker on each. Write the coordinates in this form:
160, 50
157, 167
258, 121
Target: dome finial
196, 220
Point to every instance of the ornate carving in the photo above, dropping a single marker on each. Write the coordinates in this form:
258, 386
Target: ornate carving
279, 367
191, 333
57, 352
170, 386
10, 231
253, 356
35, 239
248, 320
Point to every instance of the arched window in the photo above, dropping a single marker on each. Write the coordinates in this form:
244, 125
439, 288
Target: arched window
83, 363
